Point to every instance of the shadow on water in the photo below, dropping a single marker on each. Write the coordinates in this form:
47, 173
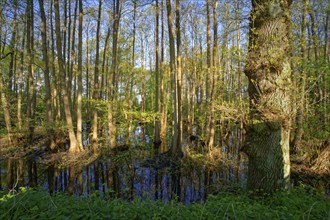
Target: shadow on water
121, 175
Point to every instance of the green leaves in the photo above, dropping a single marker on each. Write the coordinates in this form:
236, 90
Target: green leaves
300, 203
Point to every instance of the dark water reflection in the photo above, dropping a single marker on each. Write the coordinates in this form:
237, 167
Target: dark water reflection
123, 176
125, 179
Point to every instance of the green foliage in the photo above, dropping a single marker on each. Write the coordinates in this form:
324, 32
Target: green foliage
300, 203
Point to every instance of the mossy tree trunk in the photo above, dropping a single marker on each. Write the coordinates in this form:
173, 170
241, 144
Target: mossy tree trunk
268, 71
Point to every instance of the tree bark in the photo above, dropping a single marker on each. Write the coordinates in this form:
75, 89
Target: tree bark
30, 64
12, 47
174, 79
71, 59
129, 99
20, 83
163, 92
213, 71
5, 106
49, 112
79, 78
112, 93
73, 140
157, 140
268, 71
96, 83
326, 36
179, 79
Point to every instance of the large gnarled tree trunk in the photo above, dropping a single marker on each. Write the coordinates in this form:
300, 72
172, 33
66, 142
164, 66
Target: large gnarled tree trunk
268, 71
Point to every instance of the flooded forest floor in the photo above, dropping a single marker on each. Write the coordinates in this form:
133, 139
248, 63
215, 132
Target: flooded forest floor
134, 171
131, 182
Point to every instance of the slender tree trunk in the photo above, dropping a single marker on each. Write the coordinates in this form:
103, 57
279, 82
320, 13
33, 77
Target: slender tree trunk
157, 140
208, 55
327, 59
112, 93
49, 112
130, 96
87, 66
104, 69
175, 132
64, 38
79, 78
30, 63
163, 92
240, 130
20, 83
96, 83
67, 48
314, 35
302, 81
318, 96
214, 72
5, 107
56, 90
268, 70
143, 89
71, 59
178, 150
12, 47
326, 34
73, 140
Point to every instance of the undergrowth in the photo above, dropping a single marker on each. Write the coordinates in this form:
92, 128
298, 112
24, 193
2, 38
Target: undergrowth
299, 203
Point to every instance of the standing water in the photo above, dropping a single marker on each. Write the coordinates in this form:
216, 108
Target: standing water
128, 176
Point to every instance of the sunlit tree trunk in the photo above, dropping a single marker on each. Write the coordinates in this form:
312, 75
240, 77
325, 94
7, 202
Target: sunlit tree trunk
130, 96
163, 94
176, 148
112, 93
268, 70
73, 140
130, 92
214, 72
96, 83
157, 140
179, 78
79, 78
71, 59
208, 61
20, 83
56, 91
